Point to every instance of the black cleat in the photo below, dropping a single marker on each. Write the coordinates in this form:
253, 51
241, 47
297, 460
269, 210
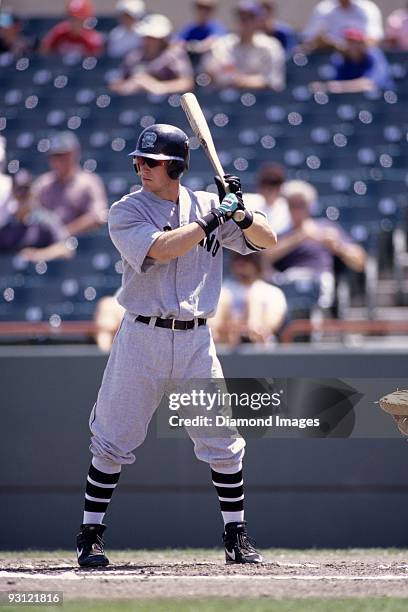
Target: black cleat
90, 546
239, 548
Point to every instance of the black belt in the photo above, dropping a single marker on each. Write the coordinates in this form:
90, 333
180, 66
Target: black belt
171, 323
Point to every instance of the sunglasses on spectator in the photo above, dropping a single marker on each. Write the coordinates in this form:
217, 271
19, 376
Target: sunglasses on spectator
152, 163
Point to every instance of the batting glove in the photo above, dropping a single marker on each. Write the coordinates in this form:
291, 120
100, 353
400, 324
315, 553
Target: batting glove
219, 216
233, 182
234, 186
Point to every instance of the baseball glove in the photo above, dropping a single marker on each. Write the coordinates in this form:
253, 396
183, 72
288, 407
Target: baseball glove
396, 404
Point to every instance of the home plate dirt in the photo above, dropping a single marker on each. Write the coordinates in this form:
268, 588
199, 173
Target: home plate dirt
203, 574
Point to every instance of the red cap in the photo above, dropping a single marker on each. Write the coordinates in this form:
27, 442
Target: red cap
354, 34
83, 9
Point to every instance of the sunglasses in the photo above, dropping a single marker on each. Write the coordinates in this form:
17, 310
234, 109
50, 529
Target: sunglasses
151, 163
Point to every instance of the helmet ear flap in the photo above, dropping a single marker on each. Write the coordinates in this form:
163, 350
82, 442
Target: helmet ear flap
175, 168
136, 166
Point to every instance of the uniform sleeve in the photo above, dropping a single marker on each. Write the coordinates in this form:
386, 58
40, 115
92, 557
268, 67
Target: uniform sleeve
233, 238
131, 234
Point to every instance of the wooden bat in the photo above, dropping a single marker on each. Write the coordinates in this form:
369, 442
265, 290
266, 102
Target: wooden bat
199, 125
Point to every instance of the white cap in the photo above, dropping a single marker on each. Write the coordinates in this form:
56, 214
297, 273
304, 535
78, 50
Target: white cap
156, 26
135, 8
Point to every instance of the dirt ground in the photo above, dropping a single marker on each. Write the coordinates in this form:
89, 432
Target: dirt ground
203, 574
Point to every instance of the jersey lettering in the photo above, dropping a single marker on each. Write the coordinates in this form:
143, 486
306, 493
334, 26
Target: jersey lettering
211, 244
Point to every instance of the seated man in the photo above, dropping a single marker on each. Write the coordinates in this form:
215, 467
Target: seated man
249, 59
160, 67
26, 227
125, 38
199, 36
307, 251
73, 35
330, 18
77, 197
358, 67
249, 310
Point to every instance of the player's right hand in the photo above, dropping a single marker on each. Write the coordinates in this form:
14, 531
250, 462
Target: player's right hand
234, 185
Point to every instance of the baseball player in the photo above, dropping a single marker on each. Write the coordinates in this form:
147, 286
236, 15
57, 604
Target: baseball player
171, 241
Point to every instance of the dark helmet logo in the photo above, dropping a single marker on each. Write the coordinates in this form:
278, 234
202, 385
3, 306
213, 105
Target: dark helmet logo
148, 140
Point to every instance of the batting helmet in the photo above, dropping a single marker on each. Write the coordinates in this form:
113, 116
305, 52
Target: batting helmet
165, 142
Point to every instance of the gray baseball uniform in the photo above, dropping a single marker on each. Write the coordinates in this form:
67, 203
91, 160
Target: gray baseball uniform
145, 357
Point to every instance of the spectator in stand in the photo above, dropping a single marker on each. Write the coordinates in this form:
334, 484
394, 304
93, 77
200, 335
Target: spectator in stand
199, 36
249, 59
358, 68
73, 35
161, 67
12, 39
125, 37
26, 227
396, 31
286, 35
249, 310
306, 252
269, 199
330, 18
77, 197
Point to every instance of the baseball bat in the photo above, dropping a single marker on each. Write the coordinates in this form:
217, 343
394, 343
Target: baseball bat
199, 125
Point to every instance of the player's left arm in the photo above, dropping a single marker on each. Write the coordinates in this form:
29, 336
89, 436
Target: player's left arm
254, 226
260, 233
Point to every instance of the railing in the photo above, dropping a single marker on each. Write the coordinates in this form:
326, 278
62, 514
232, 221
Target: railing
376, 328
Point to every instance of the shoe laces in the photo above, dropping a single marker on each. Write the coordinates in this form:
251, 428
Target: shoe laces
246, 542
95, 541
98, 544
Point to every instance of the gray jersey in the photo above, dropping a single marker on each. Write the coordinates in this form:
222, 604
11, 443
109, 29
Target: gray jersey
186, 287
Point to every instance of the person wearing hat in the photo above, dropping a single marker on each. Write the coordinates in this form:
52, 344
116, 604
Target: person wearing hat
73, 34
249, 58
125, 37
198, 36
161, 67
28, 228
358, 66
77, 197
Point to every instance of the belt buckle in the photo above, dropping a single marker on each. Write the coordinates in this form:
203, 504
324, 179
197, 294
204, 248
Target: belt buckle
173, 321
